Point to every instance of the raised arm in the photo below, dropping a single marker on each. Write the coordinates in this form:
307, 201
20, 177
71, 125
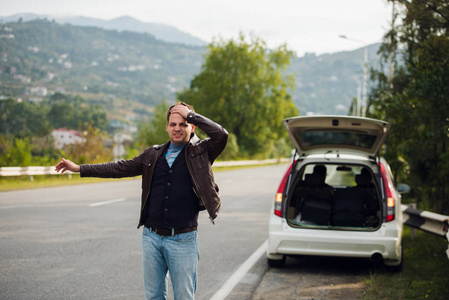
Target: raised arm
218, 136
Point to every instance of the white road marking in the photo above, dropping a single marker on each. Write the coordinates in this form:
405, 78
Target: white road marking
107, 202
229, 285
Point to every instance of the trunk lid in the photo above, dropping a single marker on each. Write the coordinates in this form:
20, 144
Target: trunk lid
343, 134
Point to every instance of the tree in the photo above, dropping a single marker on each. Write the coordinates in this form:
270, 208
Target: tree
416, 100
62, 115
73, 112
154, 131
15, 152
242, 87
23, 119
93, 149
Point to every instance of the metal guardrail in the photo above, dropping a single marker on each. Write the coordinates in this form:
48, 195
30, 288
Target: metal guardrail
31, 171
427, 221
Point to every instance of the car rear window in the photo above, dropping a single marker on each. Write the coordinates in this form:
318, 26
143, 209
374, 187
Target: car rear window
355, 139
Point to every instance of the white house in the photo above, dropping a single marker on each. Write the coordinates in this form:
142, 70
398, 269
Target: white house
64, 137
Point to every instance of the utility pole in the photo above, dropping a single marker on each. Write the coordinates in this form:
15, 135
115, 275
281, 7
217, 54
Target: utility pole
393, 50
363, 101
365, 81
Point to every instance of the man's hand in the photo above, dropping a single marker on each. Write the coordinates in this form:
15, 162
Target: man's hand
65, 165
180, 109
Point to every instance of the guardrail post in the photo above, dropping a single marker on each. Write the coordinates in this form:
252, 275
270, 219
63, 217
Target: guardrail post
447, 252
413, 232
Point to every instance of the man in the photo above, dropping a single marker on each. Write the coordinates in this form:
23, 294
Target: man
177, 182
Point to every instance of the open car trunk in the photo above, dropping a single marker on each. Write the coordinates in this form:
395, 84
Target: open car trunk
334, 196
343, 134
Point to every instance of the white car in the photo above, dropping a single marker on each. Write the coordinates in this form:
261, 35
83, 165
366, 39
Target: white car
338, 197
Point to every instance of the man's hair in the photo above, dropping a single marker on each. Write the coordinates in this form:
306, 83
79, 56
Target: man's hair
182, 103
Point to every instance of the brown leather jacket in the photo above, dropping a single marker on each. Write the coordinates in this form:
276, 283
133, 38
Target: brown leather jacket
200, 155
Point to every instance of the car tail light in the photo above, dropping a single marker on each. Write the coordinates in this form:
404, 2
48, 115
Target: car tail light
388, 184
280, 192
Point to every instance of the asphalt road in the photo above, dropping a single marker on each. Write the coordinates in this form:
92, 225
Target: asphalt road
81, 242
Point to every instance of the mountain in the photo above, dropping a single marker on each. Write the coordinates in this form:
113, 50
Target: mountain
161, 32
128, 73
327, 84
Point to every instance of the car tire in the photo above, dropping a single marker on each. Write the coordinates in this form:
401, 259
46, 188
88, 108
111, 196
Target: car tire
276, 263
396, 268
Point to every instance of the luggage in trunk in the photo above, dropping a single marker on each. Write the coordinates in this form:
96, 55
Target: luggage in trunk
348, 208
316, 210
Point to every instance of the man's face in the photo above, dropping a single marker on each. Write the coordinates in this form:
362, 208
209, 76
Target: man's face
178, 129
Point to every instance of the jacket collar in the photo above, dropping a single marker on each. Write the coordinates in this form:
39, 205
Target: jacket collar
194, 139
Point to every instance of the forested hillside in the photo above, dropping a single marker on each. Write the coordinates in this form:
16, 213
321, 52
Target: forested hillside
326, 84
128, 73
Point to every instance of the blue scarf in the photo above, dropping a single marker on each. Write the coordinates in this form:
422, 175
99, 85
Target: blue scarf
172, 152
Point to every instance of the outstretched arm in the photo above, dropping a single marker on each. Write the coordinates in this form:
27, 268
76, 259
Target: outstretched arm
67, 165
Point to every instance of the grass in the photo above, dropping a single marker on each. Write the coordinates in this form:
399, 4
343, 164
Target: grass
425, 273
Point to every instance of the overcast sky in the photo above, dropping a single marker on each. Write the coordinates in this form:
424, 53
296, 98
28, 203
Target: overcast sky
304, 25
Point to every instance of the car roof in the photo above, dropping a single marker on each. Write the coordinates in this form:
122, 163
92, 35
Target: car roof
342, 134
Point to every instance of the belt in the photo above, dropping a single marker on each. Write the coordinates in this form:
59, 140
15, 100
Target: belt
172, 231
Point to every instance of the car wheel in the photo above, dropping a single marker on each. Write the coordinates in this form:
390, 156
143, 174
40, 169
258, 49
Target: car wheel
396, 267
276, 263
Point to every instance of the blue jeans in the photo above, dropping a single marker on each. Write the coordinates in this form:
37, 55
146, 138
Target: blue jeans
176, 254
